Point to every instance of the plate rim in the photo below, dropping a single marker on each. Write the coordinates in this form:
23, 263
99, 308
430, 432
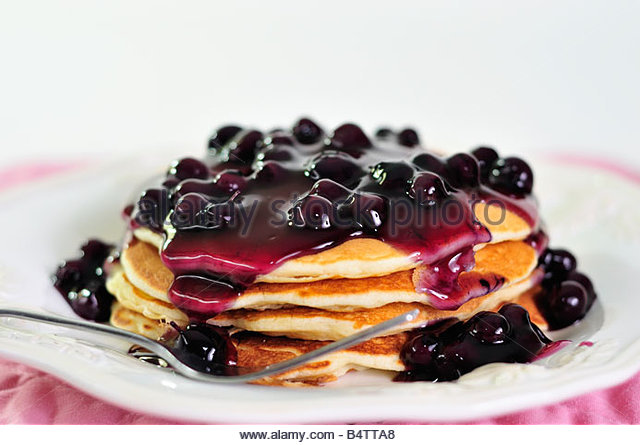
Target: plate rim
619, 373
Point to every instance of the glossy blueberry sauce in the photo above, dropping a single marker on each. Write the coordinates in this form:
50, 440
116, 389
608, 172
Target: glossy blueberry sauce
304, 191
448, 350
260, 199
81, 281
447, 289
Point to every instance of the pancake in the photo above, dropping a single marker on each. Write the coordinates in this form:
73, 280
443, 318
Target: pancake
511, 260
316, 324
361, 258
256, 350
145, 270
132, 321
381, 353
136, 300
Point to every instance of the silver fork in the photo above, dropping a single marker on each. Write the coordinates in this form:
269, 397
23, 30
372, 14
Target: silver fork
108, 336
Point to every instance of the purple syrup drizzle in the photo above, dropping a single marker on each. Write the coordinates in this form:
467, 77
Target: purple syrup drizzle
304, 192
200, 296
443, 283
551, 349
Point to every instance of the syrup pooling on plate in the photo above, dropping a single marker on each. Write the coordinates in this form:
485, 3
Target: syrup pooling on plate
262, 199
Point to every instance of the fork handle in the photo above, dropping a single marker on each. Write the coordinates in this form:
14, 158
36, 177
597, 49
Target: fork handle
194, 374
115, 339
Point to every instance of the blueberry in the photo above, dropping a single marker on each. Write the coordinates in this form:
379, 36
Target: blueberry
92, 302
153, 207
270, 172
445, 352
364, 210
68, 276
408, 137
557, 263
427, 189
276, 153
420, 351
171, 182
349, 137
313, 212
205, 347
221, 136
585, 282
94, 252
489, 327
430, 163
486, 156
203, 186
219, 214
514, 313
189, 168
511, 176
279, 140
462, 171
244, 148
195, 211
383, 132
335, 166
329, 189
230, 181
193, 202
306, 131
567, 304
392, 175
81, 282
187, 213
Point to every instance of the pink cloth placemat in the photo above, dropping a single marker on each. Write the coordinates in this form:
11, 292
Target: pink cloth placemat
30, 396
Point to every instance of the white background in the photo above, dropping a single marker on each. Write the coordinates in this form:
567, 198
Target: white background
84, 78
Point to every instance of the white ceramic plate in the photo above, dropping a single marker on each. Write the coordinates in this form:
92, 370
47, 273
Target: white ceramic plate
592, 212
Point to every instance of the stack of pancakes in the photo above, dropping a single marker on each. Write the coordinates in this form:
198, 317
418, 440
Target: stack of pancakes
315, 299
